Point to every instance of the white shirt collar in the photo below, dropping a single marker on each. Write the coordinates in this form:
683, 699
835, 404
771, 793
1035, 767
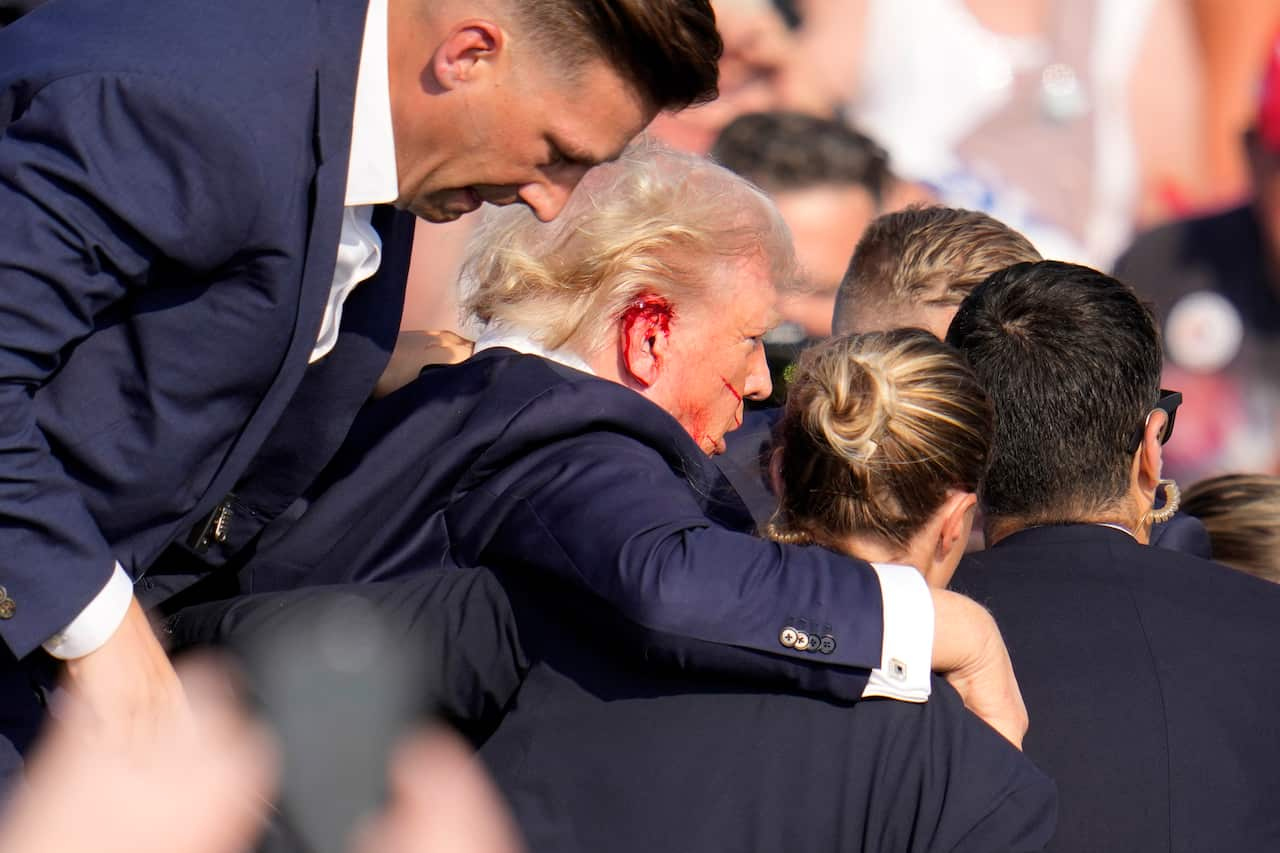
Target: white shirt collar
517, 340
371, 175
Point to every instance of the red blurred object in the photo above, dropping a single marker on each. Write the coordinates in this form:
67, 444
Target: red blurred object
1269, 104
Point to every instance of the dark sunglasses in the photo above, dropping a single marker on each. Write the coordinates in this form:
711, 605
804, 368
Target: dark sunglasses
1168, 403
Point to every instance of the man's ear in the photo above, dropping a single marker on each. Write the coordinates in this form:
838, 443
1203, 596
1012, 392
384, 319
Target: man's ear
644, 330
1150, 461
465, 51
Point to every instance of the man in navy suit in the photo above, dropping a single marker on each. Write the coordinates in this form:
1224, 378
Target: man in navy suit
1152, 677
201, 271
570, 455
575, 447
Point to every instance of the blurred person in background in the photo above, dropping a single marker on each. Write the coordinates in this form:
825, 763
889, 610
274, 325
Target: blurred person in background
762, 70
1214, 282
1069, 121
1234, 37
1242, 515
1153, 677
829, 181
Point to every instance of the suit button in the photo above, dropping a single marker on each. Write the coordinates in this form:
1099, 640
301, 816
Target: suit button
827, 645
788, 637
7, 605
802, 641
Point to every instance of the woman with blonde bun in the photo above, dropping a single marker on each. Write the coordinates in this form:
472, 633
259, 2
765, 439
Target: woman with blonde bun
880, 451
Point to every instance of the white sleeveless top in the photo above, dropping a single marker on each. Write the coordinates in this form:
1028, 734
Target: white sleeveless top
935, 81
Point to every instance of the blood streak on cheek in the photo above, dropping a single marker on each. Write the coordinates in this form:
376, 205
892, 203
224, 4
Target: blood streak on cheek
651, 315
737, 415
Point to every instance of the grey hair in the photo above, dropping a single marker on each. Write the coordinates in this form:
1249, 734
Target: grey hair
653, 223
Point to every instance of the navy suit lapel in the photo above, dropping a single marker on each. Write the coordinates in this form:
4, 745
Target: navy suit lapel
341, 35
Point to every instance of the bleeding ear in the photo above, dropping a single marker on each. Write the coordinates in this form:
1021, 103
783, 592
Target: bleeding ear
468, 46
645, 332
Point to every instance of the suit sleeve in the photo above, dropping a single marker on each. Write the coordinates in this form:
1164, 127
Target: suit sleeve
607, 514
981, 794
103, 180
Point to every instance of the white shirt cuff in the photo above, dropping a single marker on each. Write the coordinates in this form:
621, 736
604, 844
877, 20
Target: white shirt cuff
907, 646
97, 622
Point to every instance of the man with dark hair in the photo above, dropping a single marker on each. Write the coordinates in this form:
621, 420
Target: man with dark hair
1152, 676
913, 267
829, 181
202, 265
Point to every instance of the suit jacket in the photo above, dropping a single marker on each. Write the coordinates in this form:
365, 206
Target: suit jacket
594, 752
172, 179
517, 462
1152, 679
600, 753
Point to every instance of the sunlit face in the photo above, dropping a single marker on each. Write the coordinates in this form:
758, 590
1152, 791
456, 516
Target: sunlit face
520, 134
826, 223
716, 356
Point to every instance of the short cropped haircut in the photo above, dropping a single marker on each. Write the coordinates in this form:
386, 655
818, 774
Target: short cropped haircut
668, 49
1071, 359
925, 253
1242, 514
654, 223
782, 151
877, 429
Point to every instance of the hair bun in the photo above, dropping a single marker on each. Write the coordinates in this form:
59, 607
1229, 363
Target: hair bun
853, 405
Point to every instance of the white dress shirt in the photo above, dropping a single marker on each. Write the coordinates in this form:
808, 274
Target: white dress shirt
371, 179
906, 644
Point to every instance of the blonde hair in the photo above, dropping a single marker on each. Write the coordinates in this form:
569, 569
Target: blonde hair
877, 428
1242, 514
925, 252
653, 223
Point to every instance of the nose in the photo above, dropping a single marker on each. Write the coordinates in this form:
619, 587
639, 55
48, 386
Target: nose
759, 384
548, 197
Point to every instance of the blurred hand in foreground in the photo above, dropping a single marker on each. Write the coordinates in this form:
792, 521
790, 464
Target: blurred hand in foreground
416, 350
198, 783
441, 801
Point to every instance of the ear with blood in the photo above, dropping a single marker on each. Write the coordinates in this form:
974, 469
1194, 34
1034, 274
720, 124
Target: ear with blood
645, 319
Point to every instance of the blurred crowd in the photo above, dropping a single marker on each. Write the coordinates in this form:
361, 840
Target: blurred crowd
1089, 127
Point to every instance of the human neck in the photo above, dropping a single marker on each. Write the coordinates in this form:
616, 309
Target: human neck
918, 552
1001, 527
